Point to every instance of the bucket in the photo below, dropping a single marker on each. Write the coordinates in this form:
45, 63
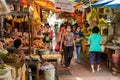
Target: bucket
115, 58
49, 74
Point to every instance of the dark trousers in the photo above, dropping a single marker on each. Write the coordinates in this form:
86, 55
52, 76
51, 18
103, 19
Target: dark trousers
94, 55
68, 54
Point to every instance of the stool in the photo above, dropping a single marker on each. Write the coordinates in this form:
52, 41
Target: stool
36, 74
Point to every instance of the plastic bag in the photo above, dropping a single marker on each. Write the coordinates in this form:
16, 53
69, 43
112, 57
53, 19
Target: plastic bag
57, 47
102, 48
47, 66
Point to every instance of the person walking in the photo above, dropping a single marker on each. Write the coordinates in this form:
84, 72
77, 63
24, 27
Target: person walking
78, 41
95, 41
59, 39
68, 40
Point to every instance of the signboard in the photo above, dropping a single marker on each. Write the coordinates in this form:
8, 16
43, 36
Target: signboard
64, 5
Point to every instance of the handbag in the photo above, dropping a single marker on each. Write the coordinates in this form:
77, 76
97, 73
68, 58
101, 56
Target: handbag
57, 47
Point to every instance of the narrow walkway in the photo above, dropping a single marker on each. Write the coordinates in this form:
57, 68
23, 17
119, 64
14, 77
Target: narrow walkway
82, 72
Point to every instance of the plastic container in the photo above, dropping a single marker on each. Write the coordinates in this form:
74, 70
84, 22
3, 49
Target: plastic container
49, 74
115, 58
49, 71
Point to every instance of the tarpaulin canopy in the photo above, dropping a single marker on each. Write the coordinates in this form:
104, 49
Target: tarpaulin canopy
45, 4
98, 4
42, 3
113, 4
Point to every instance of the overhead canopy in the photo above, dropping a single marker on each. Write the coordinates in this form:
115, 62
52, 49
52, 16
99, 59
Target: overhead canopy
99, 3
113, 4
42, 3
46, 4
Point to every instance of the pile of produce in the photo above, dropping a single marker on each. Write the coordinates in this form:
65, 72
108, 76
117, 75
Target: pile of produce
33, 58
14, 55
12, 58
51, 56
39, 44
3, 52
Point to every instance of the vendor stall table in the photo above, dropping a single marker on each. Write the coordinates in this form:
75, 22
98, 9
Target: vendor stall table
111, 64
36, 74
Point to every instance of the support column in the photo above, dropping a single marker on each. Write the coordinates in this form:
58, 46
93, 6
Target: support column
1, 26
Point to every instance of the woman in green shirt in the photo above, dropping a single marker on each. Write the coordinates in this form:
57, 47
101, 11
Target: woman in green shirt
95, 40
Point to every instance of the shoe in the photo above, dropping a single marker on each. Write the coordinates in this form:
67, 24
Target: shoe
61, 62
63, 66
68, 67
93, 70
78, 61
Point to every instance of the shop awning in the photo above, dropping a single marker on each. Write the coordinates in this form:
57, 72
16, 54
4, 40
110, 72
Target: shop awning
113, 4
98, 4
46, 4
42, 3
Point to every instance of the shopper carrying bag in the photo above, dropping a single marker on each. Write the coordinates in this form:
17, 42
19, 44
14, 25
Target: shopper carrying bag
57, 47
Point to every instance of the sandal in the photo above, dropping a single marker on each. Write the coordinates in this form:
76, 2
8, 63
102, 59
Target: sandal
93, 70
98, 69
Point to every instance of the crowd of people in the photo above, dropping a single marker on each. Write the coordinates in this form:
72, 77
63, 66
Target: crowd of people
70, 39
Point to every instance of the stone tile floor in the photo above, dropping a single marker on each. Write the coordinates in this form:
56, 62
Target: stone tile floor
82, 72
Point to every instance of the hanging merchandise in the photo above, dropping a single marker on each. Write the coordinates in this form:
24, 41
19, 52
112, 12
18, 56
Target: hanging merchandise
79, 19
4, 9
92, 17
36, 16
23, 2
79, 16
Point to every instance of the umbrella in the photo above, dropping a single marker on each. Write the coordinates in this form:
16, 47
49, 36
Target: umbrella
99, 3
113, 4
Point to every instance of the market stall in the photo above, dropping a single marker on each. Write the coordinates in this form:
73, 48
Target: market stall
107, 20
26, 26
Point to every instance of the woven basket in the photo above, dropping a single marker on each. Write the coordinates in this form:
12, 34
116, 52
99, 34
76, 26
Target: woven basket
12, 60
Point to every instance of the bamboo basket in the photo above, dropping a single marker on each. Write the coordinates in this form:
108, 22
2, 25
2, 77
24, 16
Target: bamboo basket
12, 60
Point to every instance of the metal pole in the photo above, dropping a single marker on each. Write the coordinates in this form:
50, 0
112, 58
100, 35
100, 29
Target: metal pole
29, 29
2, 24
90, 4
